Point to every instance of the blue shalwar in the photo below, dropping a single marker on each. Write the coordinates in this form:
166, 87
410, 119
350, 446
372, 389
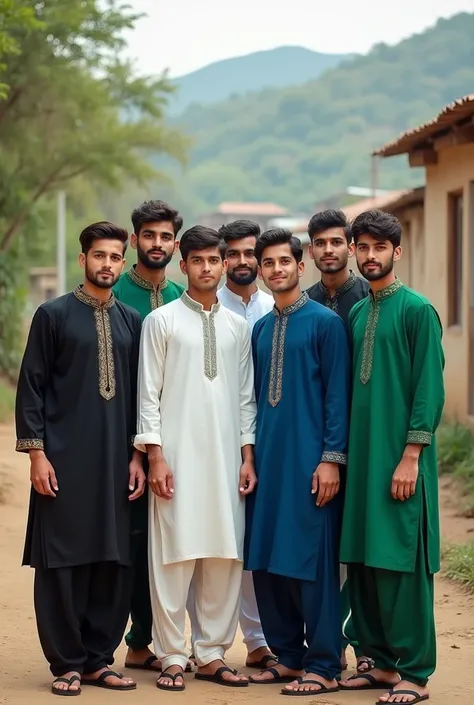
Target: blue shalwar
302, 374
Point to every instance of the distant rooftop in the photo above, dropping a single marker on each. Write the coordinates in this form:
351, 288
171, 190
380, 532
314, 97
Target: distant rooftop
251, 208
354, 209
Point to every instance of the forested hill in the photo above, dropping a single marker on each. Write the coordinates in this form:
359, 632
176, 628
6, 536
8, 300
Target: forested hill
295, 145
274, 68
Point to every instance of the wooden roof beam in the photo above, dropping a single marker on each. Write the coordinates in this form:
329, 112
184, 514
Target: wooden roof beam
423, 157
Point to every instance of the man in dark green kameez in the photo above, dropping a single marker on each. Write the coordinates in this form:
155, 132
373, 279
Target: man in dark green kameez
390, 537
145, 287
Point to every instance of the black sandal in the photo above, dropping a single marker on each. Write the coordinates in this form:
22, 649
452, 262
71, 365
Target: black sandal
100, 682
372, 683
365, 660
418, 698
322, 690
65, 691
262, 664
172, 677
217, 678
276, 678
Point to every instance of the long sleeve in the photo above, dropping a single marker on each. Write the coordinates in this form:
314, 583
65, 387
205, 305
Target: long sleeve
248, 406
151, 367
427, 375
35, 371
335, 371
134, 357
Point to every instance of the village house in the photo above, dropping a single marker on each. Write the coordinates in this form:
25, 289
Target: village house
438, 242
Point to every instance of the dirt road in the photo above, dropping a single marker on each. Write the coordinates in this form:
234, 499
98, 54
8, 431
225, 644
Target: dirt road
24, 677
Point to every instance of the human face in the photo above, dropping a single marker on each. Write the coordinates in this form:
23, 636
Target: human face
104, 263
241, 260
204, 268
375, 258
330, 250
279, 269
155, 244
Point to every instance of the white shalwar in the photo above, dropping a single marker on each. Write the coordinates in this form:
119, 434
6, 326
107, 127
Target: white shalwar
196, 400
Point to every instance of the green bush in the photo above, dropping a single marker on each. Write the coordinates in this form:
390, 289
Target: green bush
7, 402
458, 564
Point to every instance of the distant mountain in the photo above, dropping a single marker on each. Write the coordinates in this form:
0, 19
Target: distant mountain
275, 68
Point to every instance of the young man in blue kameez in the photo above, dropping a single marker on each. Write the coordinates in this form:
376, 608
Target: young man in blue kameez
302, 382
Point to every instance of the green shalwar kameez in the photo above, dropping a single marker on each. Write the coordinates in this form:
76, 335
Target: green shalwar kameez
392, 548
139, 293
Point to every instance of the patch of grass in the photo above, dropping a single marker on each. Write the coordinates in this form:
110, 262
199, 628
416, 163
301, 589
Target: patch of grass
456, 458
458, 564
7, 402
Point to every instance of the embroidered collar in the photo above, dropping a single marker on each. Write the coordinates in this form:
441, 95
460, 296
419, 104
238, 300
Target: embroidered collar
80, 294
347, 286
144, 283
295, 306
231, 295
387, 291
195, 305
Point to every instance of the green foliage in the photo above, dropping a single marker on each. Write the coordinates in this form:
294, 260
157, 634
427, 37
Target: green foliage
12, 301
458, 564
456, 458
7, 405
297, 145
14, 14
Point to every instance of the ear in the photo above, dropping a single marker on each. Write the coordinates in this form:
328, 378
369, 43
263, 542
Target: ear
300, 268
182, 266
176, 245
397, 253
352, 249
310, 251
259, 272
123, 264
82, 260
224, 267
134, 241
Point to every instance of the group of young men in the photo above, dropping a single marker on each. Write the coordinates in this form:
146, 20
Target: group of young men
289, 434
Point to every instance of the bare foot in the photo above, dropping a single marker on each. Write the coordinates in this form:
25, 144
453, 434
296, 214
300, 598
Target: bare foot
304, 687
402, 697
211, 668
61, 685
113, 681
140, 656
379, 675
267, 676
176, 682
256, 656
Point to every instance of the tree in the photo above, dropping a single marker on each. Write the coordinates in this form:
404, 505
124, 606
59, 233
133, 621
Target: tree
13, 15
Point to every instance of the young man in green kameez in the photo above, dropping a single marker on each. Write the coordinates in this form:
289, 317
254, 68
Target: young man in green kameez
390, 538
145, 287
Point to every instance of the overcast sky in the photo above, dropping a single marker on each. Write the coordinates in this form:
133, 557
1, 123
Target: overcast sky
184, 35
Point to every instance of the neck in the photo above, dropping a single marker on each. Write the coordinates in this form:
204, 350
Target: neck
207, 299
379, 284
245, 291
96, 291
336, 280
286, 298
154, 276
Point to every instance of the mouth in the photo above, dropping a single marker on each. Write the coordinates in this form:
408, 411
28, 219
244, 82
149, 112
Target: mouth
277, 279
329, 259
106, 274
371, 265
206, 277
242, 271
156, 254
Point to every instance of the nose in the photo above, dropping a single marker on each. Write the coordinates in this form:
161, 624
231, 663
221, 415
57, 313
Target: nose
328, 248
206, 267
243, 261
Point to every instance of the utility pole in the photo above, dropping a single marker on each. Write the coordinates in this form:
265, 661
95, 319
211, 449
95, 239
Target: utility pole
374, 176
61, 244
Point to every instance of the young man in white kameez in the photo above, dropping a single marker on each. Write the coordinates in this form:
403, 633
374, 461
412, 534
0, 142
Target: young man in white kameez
196, 421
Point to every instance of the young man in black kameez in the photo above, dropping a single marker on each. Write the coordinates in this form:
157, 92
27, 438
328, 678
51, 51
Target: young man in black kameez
75, 416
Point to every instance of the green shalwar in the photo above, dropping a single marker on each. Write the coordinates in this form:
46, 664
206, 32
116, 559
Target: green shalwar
139, 293
392, 548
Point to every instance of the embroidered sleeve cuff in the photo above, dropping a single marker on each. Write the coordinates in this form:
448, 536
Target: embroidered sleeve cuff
331, 456
23, 445
419, 437
247, 439
142, 440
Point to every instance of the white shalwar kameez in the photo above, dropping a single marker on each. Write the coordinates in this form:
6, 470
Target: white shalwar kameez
196, 400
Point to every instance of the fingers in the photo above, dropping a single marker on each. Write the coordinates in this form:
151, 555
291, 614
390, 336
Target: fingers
402, 489
248, 486
315, 484
47, 487
52, 480
326, 493
140, 480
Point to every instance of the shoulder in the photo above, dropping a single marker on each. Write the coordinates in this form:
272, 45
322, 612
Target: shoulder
417, 305
54, 308
314, 291
317, 310
130, 313
265, 297
362, 286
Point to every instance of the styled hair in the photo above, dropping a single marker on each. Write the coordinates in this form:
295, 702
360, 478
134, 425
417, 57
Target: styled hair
379, 225
156, 212
278, 236
238, 230
325, 220
102, 230
197, 238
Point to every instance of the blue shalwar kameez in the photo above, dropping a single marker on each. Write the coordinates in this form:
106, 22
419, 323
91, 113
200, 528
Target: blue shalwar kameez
301, 360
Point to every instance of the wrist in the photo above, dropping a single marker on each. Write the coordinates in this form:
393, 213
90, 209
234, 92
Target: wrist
247, 454
36, 454
155, 453
412, 451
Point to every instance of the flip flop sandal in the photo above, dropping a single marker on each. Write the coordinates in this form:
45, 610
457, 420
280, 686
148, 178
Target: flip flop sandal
365, 660
322, 690
264, 661
372, 683
172, 677
418, 698
64, 692
217, 678
147, 665
100, 682
276, 678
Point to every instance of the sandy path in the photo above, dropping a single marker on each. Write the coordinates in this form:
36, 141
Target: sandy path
24, 677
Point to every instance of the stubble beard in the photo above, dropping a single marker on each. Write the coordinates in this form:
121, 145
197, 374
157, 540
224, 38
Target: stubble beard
332, 268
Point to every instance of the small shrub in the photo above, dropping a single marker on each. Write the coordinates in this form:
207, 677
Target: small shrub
458, 564
7, 402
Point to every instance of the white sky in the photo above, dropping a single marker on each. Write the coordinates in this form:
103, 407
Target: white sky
184, 35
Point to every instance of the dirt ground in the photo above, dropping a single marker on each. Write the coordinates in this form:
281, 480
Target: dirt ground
24, 676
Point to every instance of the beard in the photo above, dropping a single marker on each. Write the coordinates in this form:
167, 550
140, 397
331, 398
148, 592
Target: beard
332, 267
150, 263
242, 277
376, 274
105, 283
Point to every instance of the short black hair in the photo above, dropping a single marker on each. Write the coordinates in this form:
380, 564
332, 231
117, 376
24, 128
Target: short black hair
320, 222
103, 230
379, 225
199, 237
156, 212
278, 236
238, 230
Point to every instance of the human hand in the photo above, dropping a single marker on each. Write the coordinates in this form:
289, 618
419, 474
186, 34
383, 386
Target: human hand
404, 478
137, 477
42, 475
248, 478
160, 478
326, 483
